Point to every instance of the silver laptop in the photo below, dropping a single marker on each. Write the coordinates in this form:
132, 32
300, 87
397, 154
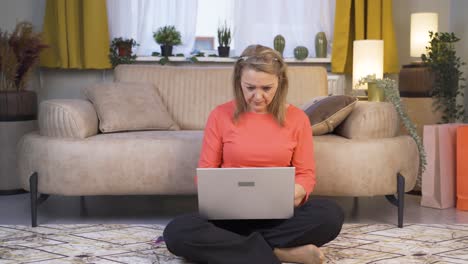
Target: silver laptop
246, 193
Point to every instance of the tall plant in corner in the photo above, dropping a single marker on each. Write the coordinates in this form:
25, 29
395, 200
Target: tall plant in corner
19, 53
448, 78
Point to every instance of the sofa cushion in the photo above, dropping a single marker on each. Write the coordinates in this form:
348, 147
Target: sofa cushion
327, 112
68, 118
129, 106
370, 120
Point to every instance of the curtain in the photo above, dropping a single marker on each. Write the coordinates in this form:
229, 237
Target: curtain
259, 21
138, 19
363, 19
77, 34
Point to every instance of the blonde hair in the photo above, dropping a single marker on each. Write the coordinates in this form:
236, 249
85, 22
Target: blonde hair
262, 59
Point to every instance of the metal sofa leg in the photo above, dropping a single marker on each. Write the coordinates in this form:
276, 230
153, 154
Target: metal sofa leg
400, 201
35, 201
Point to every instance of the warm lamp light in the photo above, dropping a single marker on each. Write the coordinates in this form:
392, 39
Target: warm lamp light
421, 24
368, 59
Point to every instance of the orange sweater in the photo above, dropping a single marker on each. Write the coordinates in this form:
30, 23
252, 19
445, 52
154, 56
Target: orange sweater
257, 140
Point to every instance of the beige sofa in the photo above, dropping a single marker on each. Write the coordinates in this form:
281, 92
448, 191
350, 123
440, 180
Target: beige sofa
68, 156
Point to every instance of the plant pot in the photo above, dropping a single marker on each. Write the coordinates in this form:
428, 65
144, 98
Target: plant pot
166, 50
375, 93
125, 50
18, 106
223, 51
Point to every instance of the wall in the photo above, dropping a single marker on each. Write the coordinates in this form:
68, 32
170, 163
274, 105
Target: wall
452, 18
68, 84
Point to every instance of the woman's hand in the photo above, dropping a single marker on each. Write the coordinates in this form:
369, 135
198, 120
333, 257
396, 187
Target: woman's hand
299, 194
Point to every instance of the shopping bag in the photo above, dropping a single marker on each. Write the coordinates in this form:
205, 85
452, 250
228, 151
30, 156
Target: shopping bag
438, 186
462, 168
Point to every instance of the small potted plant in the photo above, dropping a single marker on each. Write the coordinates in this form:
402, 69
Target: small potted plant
167, 37
120, 51
224, 40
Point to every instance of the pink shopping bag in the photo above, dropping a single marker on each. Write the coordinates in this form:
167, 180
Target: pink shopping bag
438, 180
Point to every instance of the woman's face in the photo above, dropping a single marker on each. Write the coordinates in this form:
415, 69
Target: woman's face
258, 88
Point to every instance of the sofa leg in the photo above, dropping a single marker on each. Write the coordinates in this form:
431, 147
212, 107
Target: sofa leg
35, 201
400, 201
83, 209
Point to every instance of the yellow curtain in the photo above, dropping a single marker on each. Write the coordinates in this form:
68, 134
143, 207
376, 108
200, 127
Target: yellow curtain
363, 19
77, 33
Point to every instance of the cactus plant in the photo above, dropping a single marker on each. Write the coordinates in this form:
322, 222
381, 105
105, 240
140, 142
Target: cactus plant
301, 52
279, 43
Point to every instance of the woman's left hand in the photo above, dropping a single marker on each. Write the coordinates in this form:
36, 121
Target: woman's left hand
299, 194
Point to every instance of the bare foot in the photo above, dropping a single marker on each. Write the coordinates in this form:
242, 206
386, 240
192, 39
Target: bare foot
307, 254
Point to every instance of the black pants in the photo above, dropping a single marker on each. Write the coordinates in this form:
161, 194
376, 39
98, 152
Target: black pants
191, 236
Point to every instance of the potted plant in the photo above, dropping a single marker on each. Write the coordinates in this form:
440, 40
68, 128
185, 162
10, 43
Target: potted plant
445, 65
167, 37
19, 53
224, 40
120, 51
392, 95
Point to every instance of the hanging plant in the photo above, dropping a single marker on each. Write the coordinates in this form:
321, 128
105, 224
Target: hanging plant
392, 95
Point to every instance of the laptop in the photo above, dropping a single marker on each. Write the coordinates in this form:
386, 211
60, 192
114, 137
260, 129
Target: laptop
246, 193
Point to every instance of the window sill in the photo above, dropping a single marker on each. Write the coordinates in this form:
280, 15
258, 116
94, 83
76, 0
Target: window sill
150, 59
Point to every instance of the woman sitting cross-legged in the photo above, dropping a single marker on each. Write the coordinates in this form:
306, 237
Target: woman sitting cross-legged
259, 129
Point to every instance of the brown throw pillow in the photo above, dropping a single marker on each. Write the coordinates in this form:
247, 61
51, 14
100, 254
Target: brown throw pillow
327, 112
129, 106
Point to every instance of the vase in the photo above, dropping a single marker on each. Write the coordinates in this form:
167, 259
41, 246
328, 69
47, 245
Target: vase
375, 93
18, 105
279, 43
301, 52
321, 45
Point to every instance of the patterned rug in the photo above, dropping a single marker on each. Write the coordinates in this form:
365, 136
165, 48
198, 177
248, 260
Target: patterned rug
106, 244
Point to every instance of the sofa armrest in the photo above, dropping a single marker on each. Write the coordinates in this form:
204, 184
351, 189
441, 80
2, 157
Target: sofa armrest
370, 120
67, 118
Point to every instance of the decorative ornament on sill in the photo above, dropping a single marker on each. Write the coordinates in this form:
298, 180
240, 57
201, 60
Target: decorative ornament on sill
301, 53
321, 45
279, 43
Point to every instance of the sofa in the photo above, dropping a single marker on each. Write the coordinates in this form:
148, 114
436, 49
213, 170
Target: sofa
70, 154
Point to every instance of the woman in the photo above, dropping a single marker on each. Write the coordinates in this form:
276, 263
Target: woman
259, 129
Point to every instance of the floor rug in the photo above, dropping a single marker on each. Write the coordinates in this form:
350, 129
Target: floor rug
107, 244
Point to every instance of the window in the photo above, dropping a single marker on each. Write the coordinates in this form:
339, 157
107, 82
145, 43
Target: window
257, 21
211, 14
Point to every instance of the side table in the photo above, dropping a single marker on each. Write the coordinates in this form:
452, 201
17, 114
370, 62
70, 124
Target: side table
10, 134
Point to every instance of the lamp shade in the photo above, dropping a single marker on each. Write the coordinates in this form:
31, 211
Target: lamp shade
421, 24
368, 59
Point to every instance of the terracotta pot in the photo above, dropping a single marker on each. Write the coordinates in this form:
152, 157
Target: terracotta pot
125, 50
18, 106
